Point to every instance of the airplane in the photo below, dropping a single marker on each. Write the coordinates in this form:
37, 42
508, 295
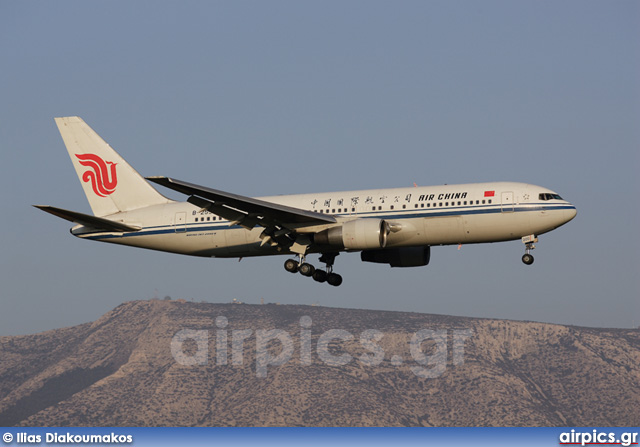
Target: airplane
389, 226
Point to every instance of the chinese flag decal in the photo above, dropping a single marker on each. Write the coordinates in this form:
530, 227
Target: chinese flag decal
489, 193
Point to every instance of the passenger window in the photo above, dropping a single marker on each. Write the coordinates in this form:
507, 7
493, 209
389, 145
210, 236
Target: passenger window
404, 207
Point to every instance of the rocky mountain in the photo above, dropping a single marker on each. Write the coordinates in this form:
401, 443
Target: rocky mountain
168, 363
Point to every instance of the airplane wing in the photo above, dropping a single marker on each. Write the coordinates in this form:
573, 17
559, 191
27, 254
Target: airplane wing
99, 223
245, 211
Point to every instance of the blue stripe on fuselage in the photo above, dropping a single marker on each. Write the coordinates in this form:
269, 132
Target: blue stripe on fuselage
382, 214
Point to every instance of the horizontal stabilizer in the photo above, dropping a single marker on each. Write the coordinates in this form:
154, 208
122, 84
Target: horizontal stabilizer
99, 223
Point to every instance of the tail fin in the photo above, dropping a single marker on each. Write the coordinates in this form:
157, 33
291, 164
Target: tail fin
109, 182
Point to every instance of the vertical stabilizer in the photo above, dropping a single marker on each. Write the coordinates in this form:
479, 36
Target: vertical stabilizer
109, 182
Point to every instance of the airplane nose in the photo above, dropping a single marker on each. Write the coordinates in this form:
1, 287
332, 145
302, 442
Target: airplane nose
570, 213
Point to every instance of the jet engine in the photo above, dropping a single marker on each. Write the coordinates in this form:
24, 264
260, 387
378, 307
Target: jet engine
358, 234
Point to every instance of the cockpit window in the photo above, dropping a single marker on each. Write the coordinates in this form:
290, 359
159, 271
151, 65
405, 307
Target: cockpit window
549, 196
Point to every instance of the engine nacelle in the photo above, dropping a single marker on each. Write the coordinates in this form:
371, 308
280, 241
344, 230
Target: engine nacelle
359, 234
399, 257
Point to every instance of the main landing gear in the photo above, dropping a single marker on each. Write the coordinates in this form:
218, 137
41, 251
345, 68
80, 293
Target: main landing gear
528, 241
306, 269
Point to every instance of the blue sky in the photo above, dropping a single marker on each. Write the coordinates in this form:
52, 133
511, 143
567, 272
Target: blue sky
263, 98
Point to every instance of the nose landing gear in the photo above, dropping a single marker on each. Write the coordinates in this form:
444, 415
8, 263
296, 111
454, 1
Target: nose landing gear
305, 269
527, 258
528, 241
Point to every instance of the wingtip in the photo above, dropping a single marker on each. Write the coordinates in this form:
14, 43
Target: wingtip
160, 179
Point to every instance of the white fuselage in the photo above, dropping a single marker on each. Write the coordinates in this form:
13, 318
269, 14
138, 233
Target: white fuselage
420, 216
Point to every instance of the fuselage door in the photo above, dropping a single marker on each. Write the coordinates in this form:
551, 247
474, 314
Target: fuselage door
180, 222
507, 202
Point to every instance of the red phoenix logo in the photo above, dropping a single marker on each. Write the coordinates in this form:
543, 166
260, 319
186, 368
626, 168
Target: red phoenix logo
102, 175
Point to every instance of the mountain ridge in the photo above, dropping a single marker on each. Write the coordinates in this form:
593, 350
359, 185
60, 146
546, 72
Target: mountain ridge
403, 369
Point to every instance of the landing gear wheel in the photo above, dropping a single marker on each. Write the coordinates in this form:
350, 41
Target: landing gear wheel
334, 279
527, 259
291, 265
306, 269
320, 275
